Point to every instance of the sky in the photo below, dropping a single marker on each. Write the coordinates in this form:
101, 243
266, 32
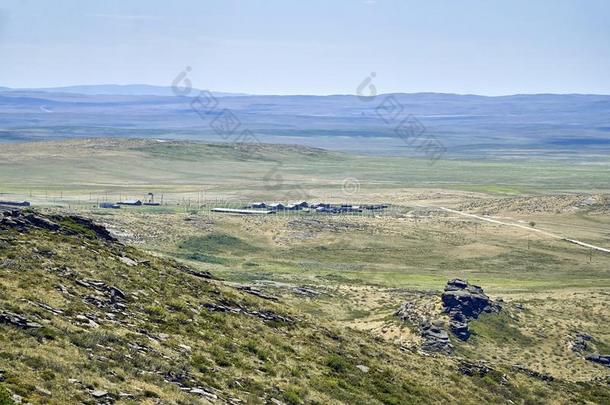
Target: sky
487, 47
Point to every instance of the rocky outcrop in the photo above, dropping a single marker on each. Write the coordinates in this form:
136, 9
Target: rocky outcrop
467, 299
99, 230
435, 338
256, 292
17, 321
235, 308
460, 300
433, 332
604, 360
41, 222
459, 326
464, 302
305, 291
471, 369
197, 273
586, 346
532, 373
23, 221
115, 294
408, 312
580, 343
111, 299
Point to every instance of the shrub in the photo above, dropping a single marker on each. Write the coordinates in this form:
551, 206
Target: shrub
337, 364
156, 313
292, 396
5, 396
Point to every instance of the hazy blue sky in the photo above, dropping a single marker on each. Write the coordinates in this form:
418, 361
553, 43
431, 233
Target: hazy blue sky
311, 47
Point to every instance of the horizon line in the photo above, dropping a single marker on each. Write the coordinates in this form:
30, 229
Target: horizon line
245, 94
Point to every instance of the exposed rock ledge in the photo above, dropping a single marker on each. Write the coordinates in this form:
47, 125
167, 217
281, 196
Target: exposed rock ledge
464, 302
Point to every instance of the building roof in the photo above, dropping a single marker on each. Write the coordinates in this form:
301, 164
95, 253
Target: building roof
242, 211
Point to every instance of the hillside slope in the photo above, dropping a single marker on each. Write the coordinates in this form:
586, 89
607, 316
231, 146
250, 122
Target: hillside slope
84, 318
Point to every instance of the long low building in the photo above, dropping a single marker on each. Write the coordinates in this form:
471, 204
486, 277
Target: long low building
16, 203
243, 211
109, 205
130, 202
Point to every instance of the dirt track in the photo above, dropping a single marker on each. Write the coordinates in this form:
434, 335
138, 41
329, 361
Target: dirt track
552, 235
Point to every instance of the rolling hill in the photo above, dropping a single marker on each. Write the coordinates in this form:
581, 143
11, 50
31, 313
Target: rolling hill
470, 125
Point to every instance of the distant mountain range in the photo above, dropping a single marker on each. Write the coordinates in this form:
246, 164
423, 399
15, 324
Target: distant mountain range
465, 124
117, 90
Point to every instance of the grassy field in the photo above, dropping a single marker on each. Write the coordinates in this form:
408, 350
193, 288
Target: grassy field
361, 267
93, 169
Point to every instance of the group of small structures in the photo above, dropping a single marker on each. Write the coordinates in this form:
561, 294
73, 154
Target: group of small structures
133, 203
318, 207
250, 209
272, 208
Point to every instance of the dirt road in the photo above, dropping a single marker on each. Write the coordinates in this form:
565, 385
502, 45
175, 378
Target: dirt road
529, 228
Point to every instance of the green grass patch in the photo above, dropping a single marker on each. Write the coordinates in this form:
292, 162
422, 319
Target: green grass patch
75, 227
215, 243
500, 329
205, 258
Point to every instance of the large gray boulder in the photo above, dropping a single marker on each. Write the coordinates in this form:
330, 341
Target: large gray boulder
464, 302
467, 299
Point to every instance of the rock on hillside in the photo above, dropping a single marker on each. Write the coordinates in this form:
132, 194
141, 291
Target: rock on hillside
604, 360
463, 302
71, 224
